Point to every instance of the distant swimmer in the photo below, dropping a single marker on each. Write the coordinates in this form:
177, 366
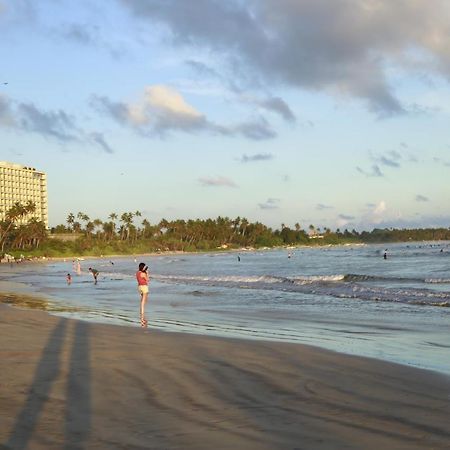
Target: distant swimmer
69, 278
385, 254
111, 262
142, 278
94, 274
239, 258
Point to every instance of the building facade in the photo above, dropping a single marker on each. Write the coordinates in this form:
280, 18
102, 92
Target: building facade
21, 184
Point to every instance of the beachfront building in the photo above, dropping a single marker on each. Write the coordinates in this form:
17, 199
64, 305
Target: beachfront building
21, 184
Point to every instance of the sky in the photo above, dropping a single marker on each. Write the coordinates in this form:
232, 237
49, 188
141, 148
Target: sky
327, 112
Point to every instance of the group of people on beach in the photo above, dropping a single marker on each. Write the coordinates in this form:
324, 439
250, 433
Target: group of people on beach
142, 278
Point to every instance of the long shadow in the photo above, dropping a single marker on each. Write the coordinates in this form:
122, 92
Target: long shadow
78, 408
46, 373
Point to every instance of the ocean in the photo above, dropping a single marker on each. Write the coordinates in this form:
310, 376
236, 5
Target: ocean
344, 298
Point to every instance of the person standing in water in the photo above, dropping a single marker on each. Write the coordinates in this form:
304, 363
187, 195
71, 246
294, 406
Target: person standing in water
69, 278
142, 278
94, 274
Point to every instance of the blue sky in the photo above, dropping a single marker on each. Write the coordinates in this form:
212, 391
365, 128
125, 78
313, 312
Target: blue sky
331, 112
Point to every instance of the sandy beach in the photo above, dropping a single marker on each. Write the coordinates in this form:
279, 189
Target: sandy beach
73, 384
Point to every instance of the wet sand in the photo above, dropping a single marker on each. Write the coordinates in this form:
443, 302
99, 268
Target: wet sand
72, 384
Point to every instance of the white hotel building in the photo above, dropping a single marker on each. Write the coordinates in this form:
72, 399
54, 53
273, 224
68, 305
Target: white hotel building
21, 184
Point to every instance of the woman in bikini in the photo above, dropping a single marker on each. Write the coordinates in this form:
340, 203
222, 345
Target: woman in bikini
142, 280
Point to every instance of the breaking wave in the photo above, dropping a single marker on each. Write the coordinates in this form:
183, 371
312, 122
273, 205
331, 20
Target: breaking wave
345, 286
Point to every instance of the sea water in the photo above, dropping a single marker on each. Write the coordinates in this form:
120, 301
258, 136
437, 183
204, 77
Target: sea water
346, 298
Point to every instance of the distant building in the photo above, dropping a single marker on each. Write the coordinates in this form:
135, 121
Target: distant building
21, 184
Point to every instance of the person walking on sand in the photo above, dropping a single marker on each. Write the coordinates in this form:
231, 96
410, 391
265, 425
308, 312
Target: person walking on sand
94, 274
142, 280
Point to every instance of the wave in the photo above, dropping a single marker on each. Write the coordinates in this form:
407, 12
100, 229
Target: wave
343, 286
274, 279
303, 279
361, 278
349, 286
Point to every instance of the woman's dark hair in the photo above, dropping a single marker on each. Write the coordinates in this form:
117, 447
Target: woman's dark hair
141, 266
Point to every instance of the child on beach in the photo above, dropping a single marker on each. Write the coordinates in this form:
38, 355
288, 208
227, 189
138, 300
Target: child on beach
142, 280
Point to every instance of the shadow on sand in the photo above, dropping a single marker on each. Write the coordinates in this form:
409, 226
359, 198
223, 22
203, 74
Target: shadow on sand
78, 395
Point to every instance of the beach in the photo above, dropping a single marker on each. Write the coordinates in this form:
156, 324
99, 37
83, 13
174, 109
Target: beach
73, 384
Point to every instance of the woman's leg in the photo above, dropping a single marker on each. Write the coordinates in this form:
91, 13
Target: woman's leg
143, 302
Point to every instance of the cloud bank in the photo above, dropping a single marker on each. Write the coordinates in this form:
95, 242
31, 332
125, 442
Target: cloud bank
56, 125
344, 47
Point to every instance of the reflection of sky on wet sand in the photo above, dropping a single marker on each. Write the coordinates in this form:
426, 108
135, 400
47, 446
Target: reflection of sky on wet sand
35, 302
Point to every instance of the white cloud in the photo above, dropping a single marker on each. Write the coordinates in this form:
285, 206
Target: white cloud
169, 100
162, 109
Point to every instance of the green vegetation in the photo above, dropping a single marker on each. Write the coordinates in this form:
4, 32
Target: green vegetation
121, 234
16, 233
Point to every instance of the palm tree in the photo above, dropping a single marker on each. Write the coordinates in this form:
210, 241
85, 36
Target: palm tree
113, 217
30, 234
76, 227
108, 230
127, 220
97, 224
148, 230
15, 214
244, 225
70, 220
85, 218
89, 228
137, 213
163, 226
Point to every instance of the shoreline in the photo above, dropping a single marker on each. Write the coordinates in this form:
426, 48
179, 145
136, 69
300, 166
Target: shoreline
72, 382
20, 294
43, 259
16, 295
34, 259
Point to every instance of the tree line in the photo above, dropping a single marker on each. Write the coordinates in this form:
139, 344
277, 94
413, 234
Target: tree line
18, 233
127, 233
